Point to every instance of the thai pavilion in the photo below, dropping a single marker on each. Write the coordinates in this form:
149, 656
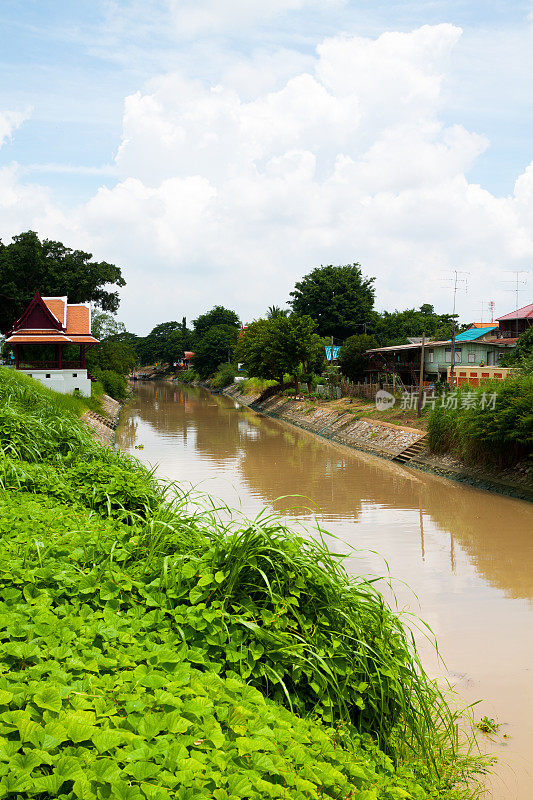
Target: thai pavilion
46, 340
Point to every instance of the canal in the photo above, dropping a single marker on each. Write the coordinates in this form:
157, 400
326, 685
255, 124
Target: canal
460, 558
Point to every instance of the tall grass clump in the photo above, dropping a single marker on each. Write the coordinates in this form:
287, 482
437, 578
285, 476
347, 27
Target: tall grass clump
153, 645
224, 376
188, 376
491, 424
256, 385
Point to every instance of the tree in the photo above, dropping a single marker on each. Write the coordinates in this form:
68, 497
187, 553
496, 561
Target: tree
166, 342
28, 265
340, 299
113, 355
276, 311
215, 347
104, 325
352, 357
393, 327
217, 316
270, 348
116, 351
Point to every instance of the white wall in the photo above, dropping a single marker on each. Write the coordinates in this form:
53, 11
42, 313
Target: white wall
65, 381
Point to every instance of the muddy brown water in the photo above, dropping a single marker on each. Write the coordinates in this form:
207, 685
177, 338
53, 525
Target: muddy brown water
466, 554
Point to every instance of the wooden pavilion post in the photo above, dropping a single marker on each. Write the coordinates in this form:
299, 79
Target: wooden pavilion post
58, 356
17, 357
82, 356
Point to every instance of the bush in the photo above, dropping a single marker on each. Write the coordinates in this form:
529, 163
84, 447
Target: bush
188, 376
492, 423
114, 384
224, 376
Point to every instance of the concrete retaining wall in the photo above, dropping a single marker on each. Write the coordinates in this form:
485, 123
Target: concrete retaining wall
103, 425
342, 426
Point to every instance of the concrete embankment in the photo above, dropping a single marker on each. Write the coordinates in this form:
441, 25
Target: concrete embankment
103, 425
348, 427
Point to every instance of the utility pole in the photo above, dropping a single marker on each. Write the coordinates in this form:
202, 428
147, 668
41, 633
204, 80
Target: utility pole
421, 377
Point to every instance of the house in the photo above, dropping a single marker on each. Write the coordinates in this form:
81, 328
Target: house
513, 325
482, 345
48, 326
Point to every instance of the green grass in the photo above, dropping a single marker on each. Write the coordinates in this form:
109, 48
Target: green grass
255, 385
152, 645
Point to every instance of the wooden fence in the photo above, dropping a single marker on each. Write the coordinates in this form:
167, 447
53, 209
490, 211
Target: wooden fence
368, 390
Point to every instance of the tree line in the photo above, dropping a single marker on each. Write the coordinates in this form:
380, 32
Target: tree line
329, 304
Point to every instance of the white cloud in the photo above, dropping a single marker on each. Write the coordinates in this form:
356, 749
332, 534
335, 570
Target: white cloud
193, 17
9, 121
229, 193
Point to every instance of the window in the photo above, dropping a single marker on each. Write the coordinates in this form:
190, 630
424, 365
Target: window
448, 355
74, 374
471, 358
47, 374
431, 356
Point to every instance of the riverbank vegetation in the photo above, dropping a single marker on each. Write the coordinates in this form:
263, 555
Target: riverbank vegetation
155, 646
492, 424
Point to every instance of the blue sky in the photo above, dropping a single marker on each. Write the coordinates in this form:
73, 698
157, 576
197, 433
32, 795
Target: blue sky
73, 64
69, 67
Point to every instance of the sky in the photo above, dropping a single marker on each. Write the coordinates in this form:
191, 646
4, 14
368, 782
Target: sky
219, 151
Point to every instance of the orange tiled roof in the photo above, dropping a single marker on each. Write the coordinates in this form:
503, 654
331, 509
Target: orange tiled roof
76, 338
57, 306
74, 323
78, 320
51, 338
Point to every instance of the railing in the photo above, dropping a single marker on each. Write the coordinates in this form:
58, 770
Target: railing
368, 390
51, 365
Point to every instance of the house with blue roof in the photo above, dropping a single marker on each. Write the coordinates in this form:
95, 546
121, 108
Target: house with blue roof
481, 346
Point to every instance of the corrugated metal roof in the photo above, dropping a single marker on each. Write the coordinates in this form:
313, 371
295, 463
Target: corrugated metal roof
474, 333
526, 312
415, 346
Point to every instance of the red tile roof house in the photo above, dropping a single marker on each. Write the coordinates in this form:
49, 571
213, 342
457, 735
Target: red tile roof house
39, 337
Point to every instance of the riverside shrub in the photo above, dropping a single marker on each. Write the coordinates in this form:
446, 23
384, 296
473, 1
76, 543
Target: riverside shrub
492, 423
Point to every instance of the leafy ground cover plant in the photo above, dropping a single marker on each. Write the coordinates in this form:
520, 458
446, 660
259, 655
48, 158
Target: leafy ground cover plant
150, 649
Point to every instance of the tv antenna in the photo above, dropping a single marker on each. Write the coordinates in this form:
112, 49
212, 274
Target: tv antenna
518, 282
488, 306
457, 284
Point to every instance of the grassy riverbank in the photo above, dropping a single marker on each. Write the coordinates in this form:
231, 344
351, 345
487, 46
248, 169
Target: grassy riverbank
152, 648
